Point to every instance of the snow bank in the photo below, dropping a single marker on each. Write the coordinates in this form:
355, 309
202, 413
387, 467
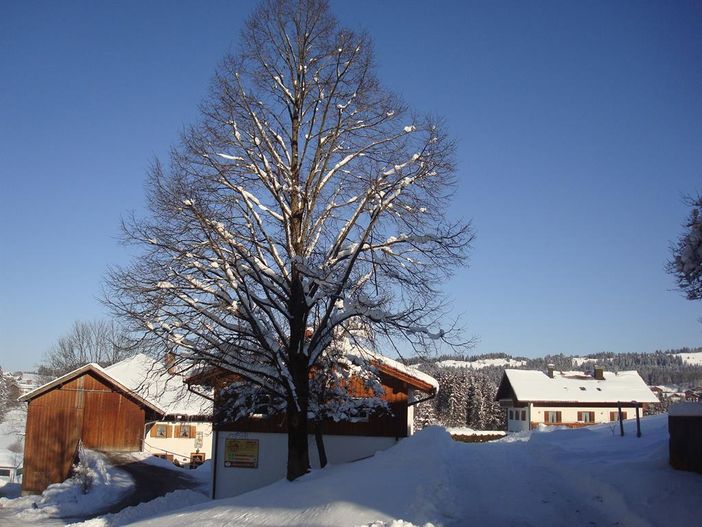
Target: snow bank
95, 486
174, 500
549, 477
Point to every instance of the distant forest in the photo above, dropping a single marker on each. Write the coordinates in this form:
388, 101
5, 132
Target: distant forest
466, 395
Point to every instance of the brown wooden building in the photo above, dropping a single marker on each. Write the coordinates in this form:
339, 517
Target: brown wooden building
73, 408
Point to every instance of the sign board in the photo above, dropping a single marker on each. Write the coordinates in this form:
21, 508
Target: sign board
241, 453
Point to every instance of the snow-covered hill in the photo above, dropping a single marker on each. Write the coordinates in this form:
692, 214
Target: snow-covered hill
589, 476
480, 363
691, 358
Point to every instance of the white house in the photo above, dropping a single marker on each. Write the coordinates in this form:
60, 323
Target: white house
570, 398
183, 431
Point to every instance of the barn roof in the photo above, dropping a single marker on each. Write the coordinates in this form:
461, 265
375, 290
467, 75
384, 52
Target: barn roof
574, 387
151, 380
99, 372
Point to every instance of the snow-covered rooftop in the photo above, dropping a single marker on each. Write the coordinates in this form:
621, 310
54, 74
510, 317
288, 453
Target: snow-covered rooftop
150, 379
395, 365
574, 386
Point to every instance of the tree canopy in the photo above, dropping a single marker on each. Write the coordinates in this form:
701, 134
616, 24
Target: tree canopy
306, 207
686, 262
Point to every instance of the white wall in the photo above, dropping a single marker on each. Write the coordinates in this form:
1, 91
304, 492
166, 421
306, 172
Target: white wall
516, 424
180, 447
568, 415
272, 458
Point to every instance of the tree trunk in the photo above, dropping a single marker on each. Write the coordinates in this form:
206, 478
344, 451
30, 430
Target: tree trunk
319, 440
298, 451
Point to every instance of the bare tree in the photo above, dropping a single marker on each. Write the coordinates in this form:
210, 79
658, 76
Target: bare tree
99, 341
686, 263
307, 206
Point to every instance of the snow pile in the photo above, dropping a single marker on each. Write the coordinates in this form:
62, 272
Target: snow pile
174, 500
94, 486
548, 477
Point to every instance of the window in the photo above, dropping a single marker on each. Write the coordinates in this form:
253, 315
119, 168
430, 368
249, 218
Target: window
5, 472
161, 431
614, 416
523, 415
586, 417
552, 417
184, 431
511, 415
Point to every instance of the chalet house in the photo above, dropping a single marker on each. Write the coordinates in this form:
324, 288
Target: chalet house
570, 398
135, 405
251, 452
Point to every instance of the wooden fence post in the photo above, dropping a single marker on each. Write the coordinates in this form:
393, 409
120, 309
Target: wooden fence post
621, 421
638, 422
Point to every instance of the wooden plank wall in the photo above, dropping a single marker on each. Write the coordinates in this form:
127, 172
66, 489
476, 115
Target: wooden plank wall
84, 408
685, 444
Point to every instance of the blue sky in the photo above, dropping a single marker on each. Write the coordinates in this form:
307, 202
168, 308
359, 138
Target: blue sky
579, 130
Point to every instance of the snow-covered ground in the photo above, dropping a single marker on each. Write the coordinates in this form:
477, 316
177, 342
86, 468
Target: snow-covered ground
691, 358
97, 486
481, 363
549, 477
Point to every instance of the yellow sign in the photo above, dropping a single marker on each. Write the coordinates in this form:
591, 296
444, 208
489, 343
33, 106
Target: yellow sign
242, 453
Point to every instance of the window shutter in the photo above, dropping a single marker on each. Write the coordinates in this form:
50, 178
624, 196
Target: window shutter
169, 431
580, 416
623, 415
559, 417
152, 432
193, 431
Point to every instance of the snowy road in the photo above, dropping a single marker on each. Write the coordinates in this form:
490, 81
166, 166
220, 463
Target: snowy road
143, 480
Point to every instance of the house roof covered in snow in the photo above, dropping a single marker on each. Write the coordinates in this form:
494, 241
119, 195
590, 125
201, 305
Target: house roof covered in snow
151, 380
412, 376
574, 387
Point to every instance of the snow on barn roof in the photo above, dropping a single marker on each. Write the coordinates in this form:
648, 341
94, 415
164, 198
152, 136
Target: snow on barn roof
150, 379
575, 386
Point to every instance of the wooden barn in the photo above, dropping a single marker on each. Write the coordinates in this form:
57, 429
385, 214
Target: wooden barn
72, 408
